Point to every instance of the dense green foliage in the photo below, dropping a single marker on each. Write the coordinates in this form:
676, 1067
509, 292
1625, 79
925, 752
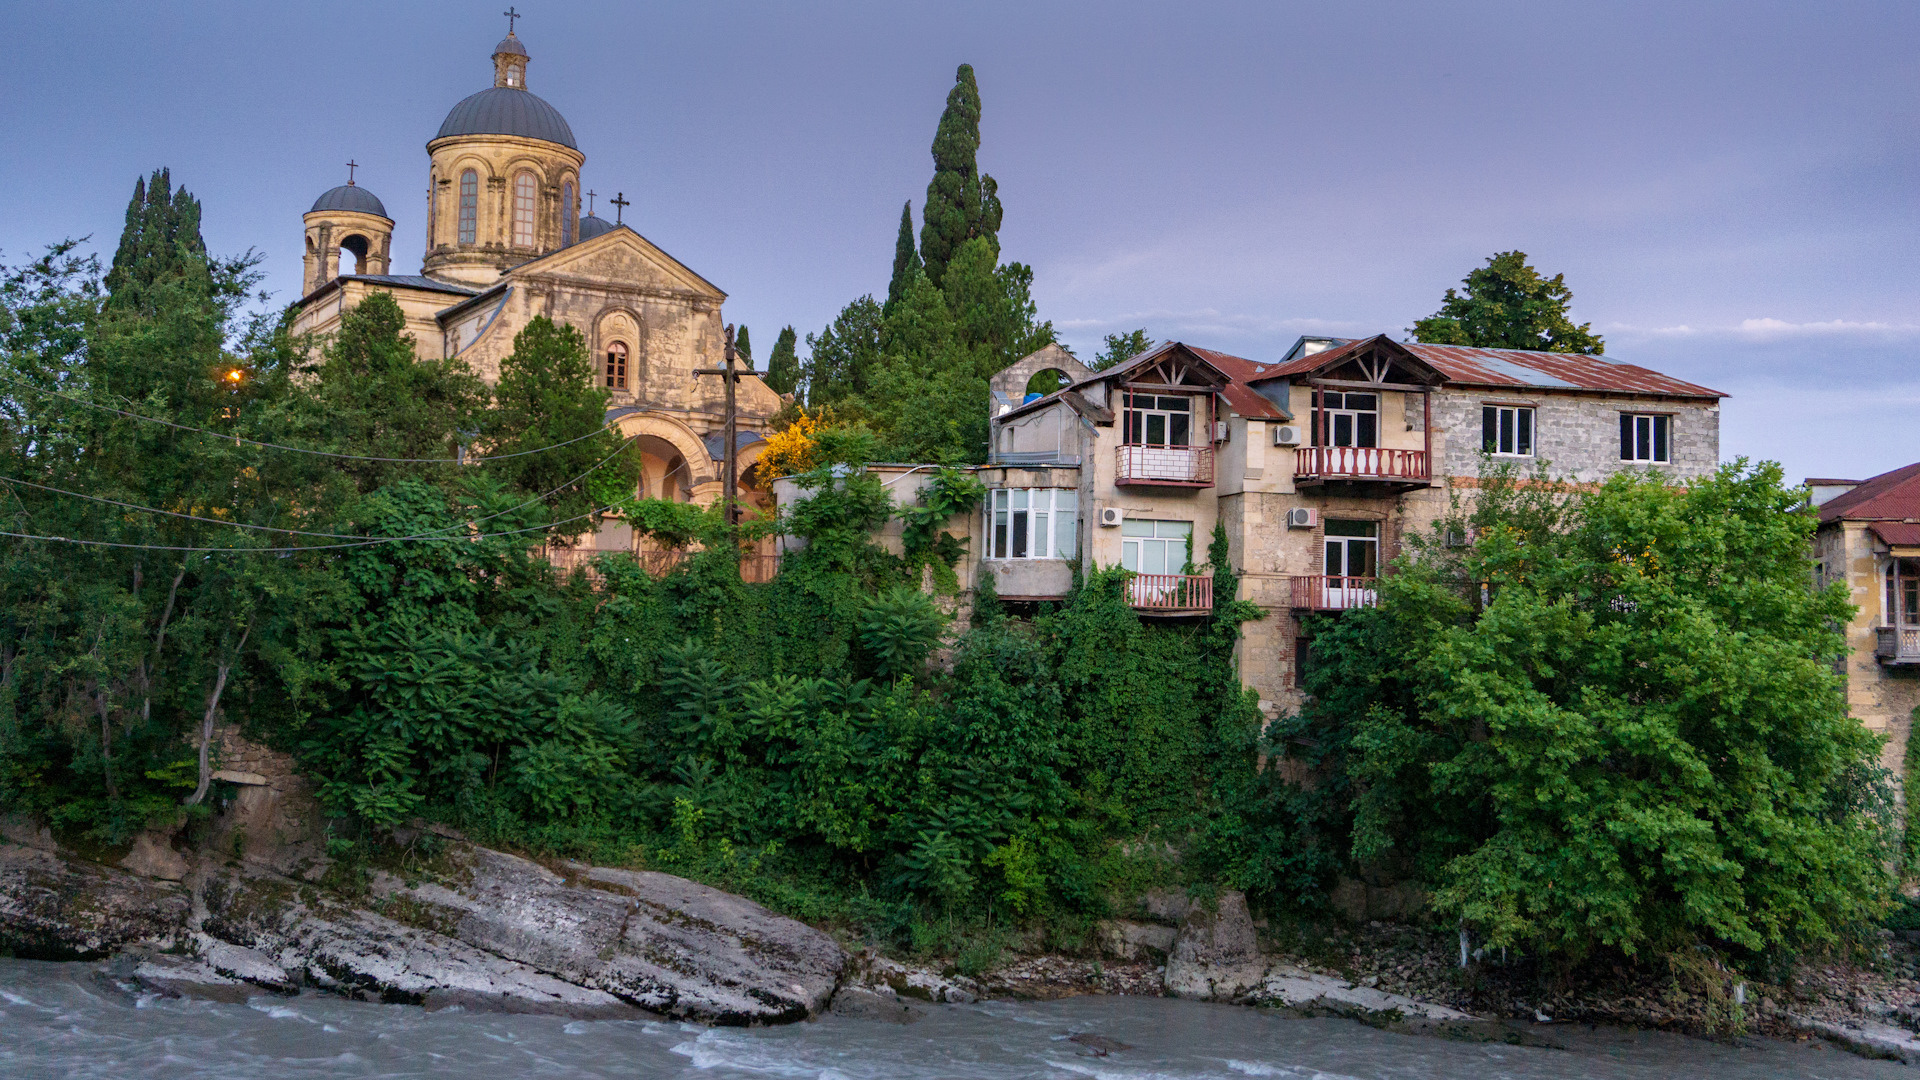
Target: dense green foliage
906, 258
962, 203
1119, 347
783, 364
1610, 722
547, 396
1506, 304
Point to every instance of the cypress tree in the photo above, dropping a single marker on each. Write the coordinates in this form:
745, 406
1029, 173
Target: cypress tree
906, 259
546, 395
160, 244
783, 367
961, 203
743, 346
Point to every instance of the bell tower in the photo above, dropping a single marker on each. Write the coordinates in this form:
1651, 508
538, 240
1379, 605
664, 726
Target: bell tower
348, 218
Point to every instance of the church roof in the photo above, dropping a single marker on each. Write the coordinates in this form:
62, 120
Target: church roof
593, 225
350, 197
511, 46
414, 281
508, 110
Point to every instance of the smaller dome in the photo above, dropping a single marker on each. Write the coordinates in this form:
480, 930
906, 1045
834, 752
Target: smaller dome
510, 45
349, 197
593, 225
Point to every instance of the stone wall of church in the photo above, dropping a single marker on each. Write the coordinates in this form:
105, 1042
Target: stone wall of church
495, 161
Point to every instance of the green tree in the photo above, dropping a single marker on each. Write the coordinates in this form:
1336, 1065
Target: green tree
962, 204
1506, 304
993, 308
743, 345
906, 258
547, 396
1629, 735
377, 398
1120, 347
845, 355
783, 365
160, 243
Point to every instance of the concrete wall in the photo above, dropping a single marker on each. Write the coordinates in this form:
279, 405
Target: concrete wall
1576, 435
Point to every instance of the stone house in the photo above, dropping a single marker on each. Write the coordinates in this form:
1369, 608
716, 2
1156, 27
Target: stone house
1869, 539
1317, 465
506, 242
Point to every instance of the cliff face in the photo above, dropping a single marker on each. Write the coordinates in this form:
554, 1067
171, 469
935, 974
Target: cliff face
482, 929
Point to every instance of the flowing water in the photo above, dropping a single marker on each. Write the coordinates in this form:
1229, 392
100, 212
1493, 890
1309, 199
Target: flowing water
60, 1020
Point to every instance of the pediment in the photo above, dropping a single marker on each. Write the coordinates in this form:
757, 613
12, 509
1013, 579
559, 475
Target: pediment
620, 257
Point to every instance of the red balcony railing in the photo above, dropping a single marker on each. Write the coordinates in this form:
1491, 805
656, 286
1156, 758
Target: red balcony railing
1173, 466
1359, 463
754, 569
1899, 644
1171, 593
1323, 592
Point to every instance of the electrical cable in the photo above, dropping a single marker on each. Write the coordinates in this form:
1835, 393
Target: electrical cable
309, 547
304, 532
296, 449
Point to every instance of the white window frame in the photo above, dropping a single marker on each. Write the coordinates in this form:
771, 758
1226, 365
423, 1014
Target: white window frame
1515, 430
1142, 417
1165, 534
1333, 409
1367, 545
1045, 520
1650, 434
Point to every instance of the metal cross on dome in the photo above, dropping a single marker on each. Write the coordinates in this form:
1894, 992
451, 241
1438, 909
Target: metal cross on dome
511, 15
620, 203
351, 165
589, 204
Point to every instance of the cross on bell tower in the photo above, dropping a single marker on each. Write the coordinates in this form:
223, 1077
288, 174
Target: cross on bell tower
511, 15
351, 165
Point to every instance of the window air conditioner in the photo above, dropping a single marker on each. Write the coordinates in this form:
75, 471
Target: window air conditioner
1111, 517
1302, 517
1286, 435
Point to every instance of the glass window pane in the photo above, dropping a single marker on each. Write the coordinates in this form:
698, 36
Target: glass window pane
1506, 431
1523, 443
1153, 556
1335, 548
1000, 498
1331, 400
1369, 433
1178, 530
1136, 527
1489, 429
1019, 498
1660, 437
1363, 402
1351, 528
1156, 429
1066, 537
1177, 431
1360, 555
1040, 549
1626, 437
1019, 548
1065, 498
1130, 555
1000, 534
1343, 430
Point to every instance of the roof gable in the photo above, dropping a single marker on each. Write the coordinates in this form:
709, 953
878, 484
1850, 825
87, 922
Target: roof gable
1378, 360
1891, 496
622, 255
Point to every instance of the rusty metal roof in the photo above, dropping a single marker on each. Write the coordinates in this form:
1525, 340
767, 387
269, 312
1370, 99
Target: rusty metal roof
1897, 533
1467, 366
1891, 496
1244, 399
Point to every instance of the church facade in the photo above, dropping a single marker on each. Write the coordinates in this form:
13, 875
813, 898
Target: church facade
506, 242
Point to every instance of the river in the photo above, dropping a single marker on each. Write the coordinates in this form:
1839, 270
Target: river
59, 1020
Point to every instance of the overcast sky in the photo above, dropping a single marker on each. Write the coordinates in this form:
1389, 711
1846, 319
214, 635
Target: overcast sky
1730, 188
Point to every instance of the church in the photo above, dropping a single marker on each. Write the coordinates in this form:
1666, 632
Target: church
506, 242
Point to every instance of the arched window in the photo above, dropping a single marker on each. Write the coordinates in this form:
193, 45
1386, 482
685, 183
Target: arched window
469, 206
523, 194
566, 214
617, 365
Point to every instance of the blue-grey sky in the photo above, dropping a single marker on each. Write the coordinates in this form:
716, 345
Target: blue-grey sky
1730, 188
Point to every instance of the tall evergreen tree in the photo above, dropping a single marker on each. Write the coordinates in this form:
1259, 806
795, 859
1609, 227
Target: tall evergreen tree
160, 243
906, 258
845, 355
743, 346
783, 366
961, 203
1507, 305
546, 395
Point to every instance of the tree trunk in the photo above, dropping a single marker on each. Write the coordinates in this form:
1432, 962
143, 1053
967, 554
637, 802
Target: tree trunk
206, 722
106, 739
159, 643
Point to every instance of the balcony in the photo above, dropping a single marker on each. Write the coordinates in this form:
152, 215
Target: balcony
755, 569
1171, 594
1164, 466
1898, 645
1323, 592
1361, 464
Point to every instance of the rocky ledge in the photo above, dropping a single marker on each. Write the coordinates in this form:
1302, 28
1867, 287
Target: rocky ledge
484, 930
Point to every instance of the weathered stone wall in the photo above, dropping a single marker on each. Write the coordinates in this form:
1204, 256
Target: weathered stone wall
274, 817
1882, 697
1578, 436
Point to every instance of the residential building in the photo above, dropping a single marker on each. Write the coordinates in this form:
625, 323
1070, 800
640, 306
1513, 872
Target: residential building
1869, 539
1318, 465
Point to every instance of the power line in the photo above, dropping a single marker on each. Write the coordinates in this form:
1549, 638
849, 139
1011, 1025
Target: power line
295, 449
309, 547
303, 532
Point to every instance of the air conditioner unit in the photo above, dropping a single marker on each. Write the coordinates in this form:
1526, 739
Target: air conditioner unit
1286, 435
1302, 517
1111, 517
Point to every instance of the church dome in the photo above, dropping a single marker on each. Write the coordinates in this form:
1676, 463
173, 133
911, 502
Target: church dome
349, 197
510, 44
506, 110
593, 225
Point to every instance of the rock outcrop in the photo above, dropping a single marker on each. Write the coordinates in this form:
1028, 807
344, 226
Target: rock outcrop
1215, 954
55, 908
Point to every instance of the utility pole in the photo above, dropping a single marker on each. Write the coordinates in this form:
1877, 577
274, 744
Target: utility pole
730, 376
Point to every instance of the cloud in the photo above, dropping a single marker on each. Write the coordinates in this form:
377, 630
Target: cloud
1771, 329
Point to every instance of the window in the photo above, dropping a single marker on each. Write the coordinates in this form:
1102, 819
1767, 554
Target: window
523, 195
1033, 523
1158, 420
1506, 430
469, 206
1644, 437
1349, 419
566, 214
617, 365
433, 208
1903, 592
1156, 547
1353, 548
